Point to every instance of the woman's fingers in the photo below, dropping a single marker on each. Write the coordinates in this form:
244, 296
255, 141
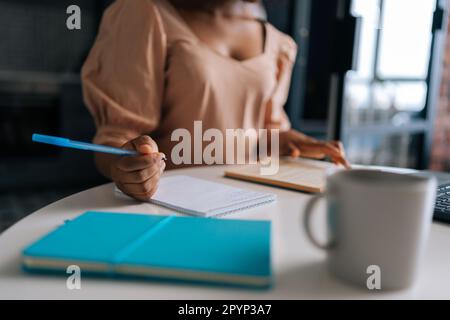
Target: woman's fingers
294, 151
339, 158
144, 145
306, 149
145, 189
339, 146
130, 164
141, 196
300, 145
140, 176
342, 159
141, 144
319, 150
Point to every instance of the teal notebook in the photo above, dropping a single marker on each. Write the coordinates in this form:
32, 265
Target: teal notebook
232, 252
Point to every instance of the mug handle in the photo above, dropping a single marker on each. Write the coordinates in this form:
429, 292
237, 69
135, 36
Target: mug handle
307, 222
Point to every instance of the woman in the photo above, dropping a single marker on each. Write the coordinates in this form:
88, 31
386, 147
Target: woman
160, 65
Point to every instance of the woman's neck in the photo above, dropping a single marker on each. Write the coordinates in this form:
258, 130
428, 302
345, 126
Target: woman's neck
220, 8
203, 5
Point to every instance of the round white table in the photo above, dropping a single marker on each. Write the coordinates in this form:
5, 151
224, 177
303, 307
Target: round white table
299, 268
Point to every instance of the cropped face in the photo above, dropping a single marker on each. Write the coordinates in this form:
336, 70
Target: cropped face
200, 4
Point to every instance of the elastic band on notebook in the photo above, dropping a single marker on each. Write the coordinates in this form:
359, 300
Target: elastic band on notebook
124, 252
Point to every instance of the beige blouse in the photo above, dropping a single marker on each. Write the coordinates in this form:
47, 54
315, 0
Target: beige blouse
148, 73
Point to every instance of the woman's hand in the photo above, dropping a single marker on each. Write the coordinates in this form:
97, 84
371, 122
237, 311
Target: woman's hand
296, 144
138, 176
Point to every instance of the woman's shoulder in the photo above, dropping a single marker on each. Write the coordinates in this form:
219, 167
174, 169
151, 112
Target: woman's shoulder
157, 15
148, 9
146, 6
134, 11
171, 20
282, 42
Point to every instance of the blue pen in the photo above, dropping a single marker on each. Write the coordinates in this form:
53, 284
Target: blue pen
67, 143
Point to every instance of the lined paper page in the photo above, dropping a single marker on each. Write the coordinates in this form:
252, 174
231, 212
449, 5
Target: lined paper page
204, 198
201, 197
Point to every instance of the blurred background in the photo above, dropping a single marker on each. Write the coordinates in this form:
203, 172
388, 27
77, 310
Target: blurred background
373, 73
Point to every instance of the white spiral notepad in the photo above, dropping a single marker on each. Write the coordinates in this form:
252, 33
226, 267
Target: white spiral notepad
204, 198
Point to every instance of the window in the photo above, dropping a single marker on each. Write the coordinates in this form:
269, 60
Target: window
385, 99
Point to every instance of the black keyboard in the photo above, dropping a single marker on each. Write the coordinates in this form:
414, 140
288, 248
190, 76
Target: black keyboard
442, 208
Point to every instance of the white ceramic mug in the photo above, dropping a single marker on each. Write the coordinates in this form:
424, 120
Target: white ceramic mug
377, 222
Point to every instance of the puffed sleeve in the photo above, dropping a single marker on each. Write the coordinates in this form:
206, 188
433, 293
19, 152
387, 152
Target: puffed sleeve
286, 52
123, 76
